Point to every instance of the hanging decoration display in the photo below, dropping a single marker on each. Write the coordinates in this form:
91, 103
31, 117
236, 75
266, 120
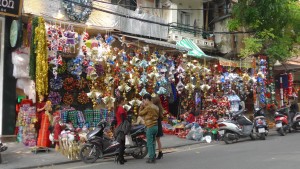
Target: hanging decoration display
88, 74
261, 81
41, 58
31, 28
79, 10
290, 85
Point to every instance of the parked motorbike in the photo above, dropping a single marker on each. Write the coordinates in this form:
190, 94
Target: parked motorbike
260, 124
2, 147
236, 127
99, 145
282, 122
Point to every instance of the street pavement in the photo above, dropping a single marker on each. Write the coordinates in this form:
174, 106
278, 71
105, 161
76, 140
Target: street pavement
277, 152
19, 156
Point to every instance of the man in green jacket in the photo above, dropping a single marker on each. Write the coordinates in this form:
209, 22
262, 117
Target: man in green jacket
150, 113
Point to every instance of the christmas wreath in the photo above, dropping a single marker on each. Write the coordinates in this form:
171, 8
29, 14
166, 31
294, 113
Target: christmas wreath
56, 84
68, 99
79, 10
54, 97
83, 98
69, 84
81, 84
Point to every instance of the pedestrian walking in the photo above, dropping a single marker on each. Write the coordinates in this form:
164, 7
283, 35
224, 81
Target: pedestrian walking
150, 113
156, 101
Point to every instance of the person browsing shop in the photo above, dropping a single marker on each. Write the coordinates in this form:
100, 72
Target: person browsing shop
150, 114
156, 101
121, 116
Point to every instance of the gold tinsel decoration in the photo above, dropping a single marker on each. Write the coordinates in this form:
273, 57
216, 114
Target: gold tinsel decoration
41, 58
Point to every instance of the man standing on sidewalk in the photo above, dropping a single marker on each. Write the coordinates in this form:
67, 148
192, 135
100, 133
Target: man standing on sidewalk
149, 111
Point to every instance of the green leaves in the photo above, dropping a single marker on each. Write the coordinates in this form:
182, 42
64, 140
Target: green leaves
252, 46
276, 24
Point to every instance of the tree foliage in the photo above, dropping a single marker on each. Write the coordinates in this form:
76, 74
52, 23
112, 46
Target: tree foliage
275, 25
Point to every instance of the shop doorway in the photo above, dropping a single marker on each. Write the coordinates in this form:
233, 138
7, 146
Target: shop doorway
2, 36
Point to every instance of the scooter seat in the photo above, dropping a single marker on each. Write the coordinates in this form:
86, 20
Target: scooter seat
136, 128
259, 117
279, 115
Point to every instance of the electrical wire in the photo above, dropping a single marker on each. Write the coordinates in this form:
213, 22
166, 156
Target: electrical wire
185, 9
153, 22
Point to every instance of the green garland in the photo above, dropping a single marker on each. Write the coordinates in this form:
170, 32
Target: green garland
32, 63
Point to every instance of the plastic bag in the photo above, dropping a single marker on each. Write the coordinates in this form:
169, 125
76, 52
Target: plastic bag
128, 141
196, 133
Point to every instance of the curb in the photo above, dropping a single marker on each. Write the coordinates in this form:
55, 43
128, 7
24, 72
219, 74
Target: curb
76, 161
47, 165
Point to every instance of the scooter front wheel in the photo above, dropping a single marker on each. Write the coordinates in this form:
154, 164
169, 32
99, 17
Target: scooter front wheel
89, 153
143, 151
262, 136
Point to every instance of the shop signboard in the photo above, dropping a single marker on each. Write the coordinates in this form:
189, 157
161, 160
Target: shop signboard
232, 63
11, 7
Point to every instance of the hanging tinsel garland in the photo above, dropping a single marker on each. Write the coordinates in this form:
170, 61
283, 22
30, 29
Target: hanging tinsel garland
41, 58
76, 15
32, 61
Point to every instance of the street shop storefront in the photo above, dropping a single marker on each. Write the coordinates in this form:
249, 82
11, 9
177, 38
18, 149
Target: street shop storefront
76, 77
69, 77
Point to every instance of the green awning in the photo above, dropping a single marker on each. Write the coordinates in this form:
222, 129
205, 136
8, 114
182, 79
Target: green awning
195, 52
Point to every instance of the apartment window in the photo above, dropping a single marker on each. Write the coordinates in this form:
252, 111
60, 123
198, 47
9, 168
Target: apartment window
157, 3
184, 18
223, 8
129, 4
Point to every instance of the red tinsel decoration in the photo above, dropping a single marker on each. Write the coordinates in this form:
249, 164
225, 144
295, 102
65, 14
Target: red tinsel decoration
164, 103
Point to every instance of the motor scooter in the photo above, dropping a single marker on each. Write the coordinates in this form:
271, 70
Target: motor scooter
98, 145
296, 121
236, 127
2, 148
260, 124
281, 121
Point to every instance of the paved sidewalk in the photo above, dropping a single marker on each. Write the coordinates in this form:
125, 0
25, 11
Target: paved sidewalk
19, 156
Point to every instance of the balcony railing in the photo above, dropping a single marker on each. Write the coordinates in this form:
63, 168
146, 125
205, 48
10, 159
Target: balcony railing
186, 29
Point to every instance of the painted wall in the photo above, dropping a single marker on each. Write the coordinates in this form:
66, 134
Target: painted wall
9, 87
195, 14
223, 41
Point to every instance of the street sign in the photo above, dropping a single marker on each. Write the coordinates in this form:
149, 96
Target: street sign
11, 7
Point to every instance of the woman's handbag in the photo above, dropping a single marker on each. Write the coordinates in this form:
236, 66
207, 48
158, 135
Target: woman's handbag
121, 130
